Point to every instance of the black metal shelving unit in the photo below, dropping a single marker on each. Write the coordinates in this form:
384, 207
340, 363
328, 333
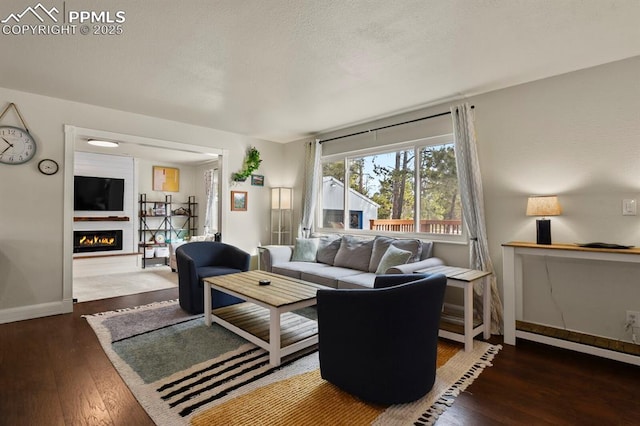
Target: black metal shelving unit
162, 221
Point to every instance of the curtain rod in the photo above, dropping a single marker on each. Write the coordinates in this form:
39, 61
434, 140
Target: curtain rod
388, 126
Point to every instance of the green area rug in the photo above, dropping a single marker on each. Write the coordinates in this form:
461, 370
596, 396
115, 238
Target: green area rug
183, 372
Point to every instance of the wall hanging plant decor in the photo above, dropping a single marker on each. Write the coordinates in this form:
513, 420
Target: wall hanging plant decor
251, 163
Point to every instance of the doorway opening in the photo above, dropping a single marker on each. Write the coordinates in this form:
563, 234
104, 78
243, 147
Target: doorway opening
118, 266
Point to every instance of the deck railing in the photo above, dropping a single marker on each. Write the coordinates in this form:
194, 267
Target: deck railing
449, 227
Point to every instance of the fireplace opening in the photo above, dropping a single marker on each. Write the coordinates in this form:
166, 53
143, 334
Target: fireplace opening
92, 241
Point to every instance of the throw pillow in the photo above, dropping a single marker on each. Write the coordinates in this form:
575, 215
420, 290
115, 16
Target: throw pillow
328, 248
393, 257
354, 253
381, 244
427, 250
305, 250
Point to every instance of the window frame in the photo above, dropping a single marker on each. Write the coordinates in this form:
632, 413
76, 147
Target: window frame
415, 145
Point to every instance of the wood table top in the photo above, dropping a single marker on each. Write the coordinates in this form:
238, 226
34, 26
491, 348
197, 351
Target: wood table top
456, 273
282, 290
572, 247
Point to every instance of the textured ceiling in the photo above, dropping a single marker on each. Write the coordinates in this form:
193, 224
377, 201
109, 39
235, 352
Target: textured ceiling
283, 69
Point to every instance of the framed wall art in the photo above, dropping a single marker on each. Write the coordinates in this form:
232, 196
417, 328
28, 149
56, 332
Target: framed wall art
239, 200
257, 180
166, 179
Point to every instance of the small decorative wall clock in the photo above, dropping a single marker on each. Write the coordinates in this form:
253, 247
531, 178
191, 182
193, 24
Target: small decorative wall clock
48, 166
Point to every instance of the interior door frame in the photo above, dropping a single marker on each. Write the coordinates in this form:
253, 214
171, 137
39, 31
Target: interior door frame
71, 135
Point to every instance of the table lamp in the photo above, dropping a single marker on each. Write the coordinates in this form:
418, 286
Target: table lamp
543, 205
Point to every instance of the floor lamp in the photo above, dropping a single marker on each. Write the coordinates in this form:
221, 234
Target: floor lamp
281, 215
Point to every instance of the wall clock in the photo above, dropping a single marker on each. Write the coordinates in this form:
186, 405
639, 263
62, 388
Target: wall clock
17, 146
48, 166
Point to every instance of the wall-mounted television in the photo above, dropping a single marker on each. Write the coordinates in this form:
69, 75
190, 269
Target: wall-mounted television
98, 193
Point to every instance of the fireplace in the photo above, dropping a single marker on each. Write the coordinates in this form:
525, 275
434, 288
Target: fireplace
92, 241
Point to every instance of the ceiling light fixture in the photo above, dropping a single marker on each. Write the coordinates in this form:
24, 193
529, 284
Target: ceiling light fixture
106, 144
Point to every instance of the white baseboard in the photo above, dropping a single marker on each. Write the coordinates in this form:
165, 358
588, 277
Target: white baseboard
35, 311
579, 347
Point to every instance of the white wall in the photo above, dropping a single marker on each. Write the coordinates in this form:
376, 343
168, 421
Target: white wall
32, 207
576, 135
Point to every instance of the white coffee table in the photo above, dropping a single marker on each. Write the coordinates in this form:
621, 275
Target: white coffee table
265, 319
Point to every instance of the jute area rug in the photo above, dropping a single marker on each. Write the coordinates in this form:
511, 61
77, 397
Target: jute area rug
183, 372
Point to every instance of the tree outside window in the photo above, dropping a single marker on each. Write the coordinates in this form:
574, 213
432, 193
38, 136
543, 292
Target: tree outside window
382, 193
440, 207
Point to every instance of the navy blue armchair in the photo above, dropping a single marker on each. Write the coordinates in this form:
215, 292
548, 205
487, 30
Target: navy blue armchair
381, 344
203, 259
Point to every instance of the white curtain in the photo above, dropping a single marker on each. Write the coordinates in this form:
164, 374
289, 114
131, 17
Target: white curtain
311, 173
211, 208
473, 203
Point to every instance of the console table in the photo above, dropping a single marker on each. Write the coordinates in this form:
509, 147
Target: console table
512, 254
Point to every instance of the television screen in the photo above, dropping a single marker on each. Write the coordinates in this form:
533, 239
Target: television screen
98, 193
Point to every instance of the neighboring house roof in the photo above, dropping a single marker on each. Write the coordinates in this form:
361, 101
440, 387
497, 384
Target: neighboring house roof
330, 180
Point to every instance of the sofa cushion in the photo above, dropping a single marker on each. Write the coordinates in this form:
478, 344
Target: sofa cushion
381, 244
354, 253
363, 280
328, 248
295, 269
305, 250
327, 276
393, 257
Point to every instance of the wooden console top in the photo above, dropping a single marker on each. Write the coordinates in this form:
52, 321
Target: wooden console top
572, 247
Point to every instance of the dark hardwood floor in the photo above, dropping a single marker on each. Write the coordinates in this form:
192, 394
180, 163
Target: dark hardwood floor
54, 372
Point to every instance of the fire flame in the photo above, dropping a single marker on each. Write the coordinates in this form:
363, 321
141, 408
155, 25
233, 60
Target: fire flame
96, 240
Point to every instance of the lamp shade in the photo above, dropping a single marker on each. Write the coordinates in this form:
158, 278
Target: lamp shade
281, 198
544, 205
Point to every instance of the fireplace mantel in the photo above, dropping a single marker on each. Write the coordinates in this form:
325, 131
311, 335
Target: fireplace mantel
101, 219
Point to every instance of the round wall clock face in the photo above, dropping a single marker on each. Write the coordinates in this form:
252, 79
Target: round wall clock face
16, 145
48, 167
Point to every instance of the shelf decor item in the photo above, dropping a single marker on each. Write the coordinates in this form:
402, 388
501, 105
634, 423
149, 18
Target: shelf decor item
166, 179
238, 201
251, 163
281, 215
546, 205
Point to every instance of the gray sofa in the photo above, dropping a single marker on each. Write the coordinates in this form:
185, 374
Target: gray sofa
347, 261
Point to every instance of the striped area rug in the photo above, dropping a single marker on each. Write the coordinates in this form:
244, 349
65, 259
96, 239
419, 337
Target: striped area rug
189, 390
183, 372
